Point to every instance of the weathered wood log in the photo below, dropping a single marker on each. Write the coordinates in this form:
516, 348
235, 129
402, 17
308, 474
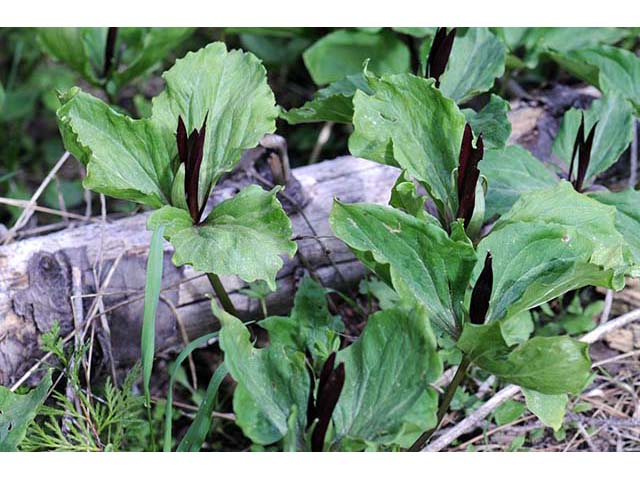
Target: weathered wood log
36, 281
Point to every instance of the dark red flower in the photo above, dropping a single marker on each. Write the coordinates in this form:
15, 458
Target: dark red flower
468, 174
190, 152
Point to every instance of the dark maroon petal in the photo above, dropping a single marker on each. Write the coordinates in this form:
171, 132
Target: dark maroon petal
181, 140
328, 395
439, 54
109, 50
585, 158
468, 174
191, 153
482, 293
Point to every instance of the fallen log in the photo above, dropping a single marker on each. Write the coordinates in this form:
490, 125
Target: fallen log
105, 261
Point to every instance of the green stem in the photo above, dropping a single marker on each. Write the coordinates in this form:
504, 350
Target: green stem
444, 405
222, 294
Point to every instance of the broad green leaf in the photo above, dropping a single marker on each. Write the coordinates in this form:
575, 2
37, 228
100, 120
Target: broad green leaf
331, 104
538, 40
550, 409
343, 52
271, 382
125, 158
551, 365
510, 172
155, 45
199, 429
612, 137
517, 329
425, 263
244, 235
611, 69
408, 122
152, 289
82, 49
492, 121
18, 411
231, 90
404, 196
387, 371
627, 204
275, 50
477, 59
309, 326
508, 412
552, 241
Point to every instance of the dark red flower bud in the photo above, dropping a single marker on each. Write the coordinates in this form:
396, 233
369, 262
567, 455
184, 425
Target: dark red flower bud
482, 293
109, 50
583, 148
439, 53
468, 174
191, 152
330, 386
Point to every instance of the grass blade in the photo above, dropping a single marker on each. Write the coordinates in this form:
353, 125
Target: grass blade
195, 436
198, 342
151, 299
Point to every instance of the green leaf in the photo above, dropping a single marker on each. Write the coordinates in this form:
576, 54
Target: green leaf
18, 411
627, 205
342, 53
331, 104
404, 196
125, 158
408, 122
155, 45
609, 68
199, 429
272, 381
151, 299
275, 50
425, 263
477, 59
231, 88
550, 409
225, 244
309, 326
508, 412
387, 373
517, 329
82, 49
510, 173
551, 365
612, 137
492, 121
552, 241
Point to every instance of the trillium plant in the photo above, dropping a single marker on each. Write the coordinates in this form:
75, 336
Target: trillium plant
475, 235
216, 103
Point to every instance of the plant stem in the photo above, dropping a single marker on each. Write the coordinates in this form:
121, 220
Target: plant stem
444, 405
222, 294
